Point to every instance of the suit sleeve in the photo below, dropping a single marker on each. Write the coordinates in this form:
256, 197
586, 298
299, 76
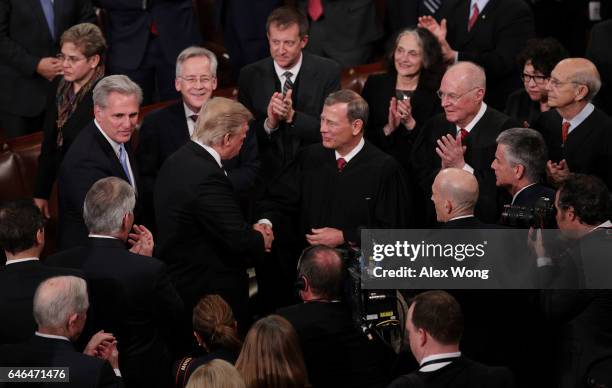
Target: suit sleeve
245, 97
107, 377
243, 177
11, 52
513, 31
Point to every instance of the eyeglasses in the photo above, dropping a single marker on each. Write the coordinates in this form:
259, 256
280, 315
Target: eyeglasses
452, 97
555, 83
193, 80
70, 58
538, 79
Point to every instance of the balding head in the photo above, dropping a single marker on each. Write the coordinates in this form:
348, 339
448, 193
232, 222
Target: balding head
573, 83
321, 268
454, 193
462, 91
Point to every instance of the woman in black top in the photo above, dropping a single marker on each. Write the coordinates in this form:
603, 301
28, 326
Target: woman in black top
537, 60
214, 328
69, 105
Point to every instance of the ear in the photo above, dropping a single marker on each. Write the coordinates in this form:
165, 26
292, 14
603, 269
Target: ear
357, 126
214, 83
127, 222
422, 337
98, 112
519, 171
448, 205
570, 214
581, 92
480, 94
40, 236
72, 320
177, 84
94, 60
304, 41
197, 337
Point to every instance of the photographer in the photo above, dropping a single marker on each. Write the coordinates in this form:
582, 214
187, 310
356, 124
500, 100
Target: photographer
336, 352
519, 165
583, 317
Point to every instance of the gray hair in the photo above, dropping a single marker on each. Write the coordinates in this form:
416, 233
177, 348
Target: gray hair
588, 77
356, 109
526, 147
219, 117
118, 84
57, 298
106, 202
474, 74
196, 52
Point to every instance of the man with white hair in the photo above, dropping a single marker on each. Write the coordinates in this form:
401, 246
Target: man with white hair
102, 149
60, 310
463, 137
130, 291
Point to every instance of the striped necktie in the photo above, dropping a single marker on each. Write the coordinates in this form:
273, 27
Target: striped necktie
288, 83
432, 5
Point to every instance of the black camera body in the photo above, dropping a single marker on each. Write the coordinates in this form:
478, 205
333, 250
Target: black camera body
540, 215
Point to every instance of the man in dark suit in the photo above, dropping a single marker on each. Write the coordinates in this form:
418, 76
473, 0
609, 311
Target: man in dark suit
343, 30
435, 324
29, 36
490, 33
402, 14
102, 149
463, 137
145, 37
597, 51
336, 352
578, 135
582, 316
168, 129
131, 294
60, 309
202, 234
285, 92
519, 165
22, 236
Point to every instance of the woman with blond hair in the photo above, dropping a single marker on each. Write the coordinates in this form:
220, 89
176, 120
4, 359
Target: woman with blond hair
271, 356
214, 328
216, 374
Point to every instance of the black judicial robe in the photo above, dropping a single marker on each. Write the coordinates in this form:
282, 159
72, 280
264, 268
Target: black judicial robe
371, 191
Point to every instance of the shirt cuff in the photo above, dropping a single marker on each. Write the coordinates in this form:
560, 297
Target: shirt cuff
468, 168
268, 130
117, 372
543, 261
265, 221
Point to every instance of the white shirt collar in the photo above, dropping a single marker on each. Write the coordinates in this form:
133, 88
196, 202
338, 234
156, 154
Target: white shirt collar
518, 192
101, 236
436, 366
352, 153
53, 336
8, 262
475, 120
294, 70
481, 5
607, 224
190, 122
580, 117
461, 217
116, 146
211, 151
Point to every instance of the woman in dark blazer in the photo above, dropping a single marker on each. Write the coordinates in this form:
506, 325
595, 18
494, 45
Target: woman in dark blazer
215, 331
70, 104
537, 60
404, 98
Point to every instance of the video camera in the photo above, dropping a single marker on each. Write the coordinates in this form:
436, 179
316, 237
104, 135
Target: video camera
540, 215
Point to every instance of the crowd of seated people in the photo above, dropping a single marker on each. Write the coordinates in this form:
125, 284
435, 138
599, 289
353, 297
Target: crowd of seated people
150, 285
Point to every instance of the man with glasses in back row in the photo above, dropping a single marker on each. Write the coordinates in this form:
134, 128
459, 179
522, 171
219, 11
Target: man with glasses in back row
463, 137
578, 135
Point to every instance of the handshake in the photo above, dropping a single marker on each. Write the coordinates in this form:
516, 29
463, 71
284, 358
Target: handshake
266, 232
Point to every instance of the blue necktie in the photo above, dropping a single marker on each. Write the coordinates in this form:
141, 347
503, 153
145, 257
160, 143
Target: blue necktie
124, 163
47, 6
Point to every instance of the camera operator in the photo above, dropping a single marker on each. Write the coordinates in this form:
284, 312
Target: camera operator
336, 352
519, 165
583, 317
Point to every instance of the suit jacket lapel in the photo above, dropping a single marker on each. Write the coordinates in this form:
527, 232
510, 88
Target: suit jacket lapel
109, 152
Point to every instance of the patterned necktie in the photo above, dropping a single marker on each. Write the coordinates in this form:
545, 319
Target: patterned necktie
564, 131
124, 163
288, 84
315, 9
47, 7
341, 163
464, 133
474, 17
432, 5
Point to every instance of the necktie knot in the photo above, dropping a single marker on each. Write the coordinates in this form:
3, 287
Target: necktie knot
565, 131
315, 9
194, 118
464, 133
341, 163
288, 83
473, 17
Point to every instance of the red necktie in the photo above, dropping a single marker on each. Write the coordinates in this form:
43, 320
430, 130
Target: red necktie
341, 164
474, 16
464, 133
564, 130
315, 9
